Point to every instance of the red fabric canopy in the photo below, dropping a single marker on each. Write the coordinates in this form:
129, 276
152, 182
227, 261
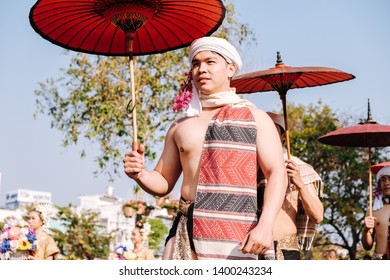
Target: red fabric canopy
361, 135
101, 26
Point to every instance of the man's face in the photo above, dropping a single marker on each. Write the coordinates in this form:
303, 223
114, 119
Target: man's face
211, 73
385, 185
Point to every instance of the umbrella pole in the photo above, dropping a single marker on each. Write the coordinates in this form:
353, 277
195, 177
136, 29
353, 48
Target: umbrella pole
283, 98
369, 182
129, 46
133, 111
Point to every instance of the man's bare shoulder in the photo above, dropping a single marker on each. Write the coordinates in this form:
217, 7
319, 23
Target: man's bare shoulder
177, 122
384, 211
262, 118
258, 113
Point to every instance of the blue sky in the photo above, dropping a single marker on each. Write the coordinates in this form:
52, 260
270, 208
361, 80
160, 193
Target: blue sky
350, 35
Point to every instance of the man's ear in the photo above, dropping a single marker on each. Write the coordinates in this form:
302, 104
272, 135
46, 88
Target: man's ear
232, 70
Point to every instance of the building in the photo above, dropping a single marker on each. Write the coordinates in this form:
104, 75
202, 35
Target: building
21, 197
111, 216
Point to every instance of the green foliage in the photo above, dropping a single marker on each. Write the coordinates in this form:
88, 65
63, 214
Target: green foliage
88, 103
343, 170
83, 237
159, 231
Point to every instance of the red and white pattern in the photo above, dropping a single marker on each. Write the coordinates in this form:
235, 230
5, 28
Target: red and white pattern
226, 199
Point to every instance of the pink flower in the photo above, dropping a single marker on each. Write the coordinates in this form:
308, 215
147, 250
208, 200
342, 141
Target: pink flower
14, 245
14, 233
183, 98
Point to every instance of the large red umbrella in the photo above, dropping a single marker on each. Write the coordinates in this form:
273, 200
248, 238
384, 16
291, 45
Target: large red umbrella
366, 134
281, 78
125, 27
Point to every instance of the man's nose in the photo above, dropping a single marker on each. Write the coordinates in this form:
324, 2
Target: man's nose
202, 67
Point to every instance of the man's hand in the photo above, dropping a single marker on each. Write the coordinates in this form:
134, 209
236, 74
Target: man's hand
257, 241
293, 174
369, 223
134, 162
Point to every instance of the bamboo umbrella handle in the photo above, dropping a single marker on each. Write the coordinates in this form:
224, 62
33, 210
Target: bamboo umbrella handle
369, 182
129, 46
283, 98
134, 109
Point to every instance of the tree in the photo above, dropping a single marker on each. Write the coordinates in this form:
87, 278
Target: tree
83, 238
90, 101
343, 171
159, 231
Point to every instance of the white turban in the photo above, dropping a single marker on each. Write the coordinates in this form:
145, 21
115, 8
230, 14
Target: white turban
383, 171
218, 45
378, 204
214, 44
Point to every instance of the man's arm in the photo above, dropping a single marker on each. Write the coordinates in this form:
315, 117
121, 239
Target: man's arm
271, 161
162, 179
368, 232
307, 193
311, 203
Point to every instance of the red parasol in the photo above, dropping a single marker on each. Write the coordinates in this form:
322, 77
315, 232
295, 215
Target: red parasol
375, 168
125, 27
281, 78
368, 134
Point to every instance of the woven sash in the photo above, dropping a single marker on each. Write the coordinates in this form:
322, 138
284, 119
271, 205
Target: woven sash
226, 198
306, 228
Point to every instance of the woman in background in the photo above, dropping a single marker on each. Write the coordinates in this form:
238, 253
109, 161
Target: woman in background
47, 248
142, 252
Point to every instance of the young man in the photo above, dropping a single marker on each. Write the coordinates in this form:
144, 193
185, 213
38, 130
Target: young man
218, 147
302, 210
377, 227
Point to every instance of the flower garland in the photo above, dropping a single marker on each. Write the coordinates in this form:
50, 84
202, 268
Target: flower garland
123, 253
45, 209
17, 235
183, 98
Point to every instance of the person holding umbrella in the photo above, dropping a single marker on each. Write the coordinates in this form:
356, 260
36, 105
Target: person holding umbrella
377, 226
219, 146
302, 210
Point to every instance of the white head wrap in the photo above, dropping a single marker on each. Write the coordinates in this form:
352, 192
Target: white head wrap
383, 171
378, 204
214, 44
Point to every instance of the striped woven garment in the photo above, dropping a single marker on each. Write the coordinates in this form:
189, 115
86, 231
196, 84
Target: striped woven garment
226, 199
306, 228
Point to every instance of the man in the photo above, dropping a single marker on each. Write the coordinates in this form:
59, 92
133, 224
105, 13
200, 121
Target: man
377, 227
218, 146
302, 210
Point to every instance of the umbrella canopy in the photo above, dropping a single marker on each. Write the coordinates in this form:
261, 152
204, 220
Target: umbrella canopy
281, 78
368, 134
365, 134
104, 26
125, 27
375, 168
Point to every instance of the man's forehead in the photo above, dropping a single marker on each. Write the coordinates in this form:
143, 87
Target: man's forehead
206, 55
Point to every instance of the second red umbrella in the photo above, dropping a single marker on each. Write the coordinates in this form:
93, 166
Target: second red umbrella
282, 78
